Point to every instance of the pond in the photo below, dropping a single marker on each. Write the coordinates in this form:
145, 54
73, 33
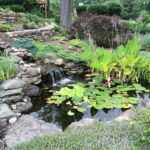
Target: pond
58, 114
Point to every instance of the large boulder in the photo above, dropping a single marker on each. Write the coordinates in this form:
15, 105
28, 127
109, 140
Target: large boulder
106, 31
27, 128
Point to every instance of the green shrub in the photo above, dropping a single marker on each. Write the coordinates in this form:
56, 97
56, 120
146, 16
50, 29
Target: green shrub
25, 43
6, 10
6, 28
107, 8
99, 9
81, 9
17, 8
145, 42
135, 26
7, 68
30, 25
113, 8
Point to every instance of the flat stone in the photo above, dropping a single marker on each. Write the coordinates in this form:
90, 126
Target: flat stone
59, 61
23, 107
12, 99
12, 84
32, 91
146, 104
11, 92
31, 72
5, 111
86, 122
27, 128
125, 116
32, 79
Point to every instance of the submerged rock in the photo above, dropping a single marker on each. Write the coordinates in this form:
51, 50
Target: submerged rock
27, 128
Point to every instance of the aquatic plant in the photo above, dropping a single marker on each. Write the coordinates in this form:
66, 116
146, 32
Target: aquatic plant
96, 95
125, 63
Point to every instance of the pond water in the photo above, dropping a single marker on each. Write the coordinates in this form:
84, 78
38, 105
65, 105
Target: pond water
58, 114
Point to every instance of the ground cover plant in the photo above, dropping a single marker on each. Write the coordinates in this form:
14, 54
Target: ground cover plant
44, 49
126, 135
25, 43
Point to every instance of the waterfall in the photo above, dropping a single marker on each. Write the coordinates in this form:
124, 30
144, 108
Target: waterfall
55, 75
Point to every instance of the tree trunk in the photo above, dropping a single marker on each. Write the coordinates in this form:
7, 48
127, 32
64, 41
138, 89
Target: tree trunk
66, 13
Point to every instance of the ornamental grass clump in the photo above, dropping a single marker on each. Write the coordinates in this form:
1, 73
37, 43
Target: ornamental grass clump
7, 68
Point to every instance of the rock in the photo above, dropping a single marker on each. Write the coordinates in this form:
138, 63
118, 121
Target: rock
59, 62
86, 122
2, 145
12, 84
146, 104
16, 59
12, 99
5, 111
32, 91
31, 72
125, 116
12, 120
11, 92
23, 107
32, 80
27, 128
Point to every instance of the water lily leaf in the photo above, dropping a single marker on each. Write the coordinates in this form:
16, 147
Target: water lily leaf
70, 113
49, 101
69, 103
126, 106
81, 109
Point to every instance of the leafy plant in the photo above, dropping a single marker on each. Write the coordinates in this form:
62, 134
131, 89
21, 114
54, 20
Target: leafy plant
59, 38
75, 43
126, 63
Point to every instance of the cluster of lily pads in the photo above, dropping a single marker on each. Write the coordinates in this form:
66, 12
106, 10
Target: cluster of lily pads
96, 95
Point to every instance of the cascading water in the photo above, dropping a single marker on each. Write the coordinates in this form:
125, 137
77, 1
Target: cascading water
57, 77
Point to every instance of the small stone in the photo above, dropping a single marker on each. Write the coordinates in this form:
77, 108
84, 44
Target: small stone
59, 62
12, 120
18, 114
25, 100
13, 106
